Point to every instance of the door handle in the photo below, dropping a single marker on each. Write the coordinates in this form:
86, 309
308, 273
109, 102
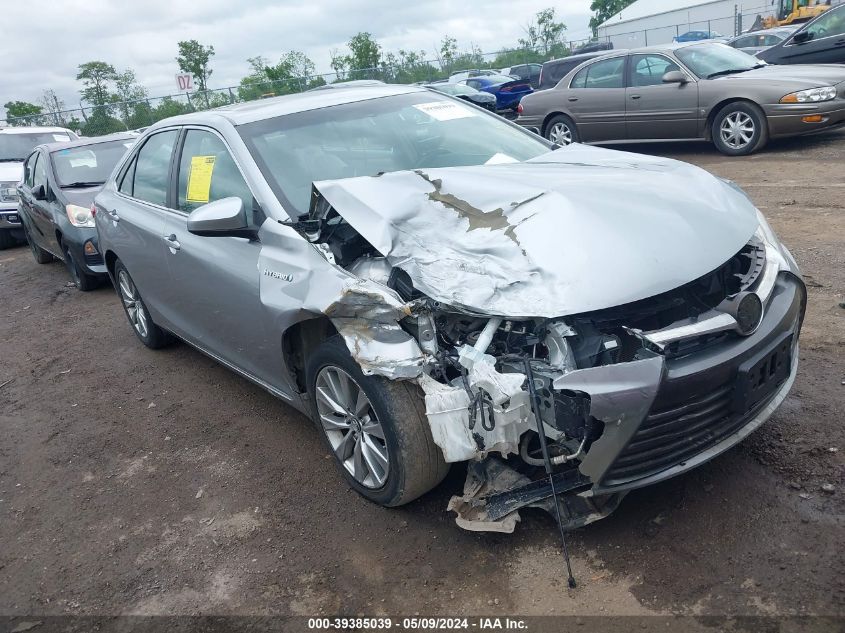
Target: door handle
113, 215
573, 98
635, 96
172, 242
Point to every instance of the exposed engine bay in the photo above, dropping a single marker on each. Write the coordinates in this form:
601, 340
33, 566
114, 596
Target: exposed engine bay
492, 383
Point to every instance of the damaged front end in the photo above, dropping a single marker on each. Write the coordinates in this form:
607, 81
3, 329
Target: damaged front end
623, 396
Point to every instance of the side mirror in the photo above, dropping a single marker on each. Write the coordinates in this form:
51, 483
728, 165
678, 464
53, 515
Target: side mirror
221, 218
802, 36
38, 192
675, 77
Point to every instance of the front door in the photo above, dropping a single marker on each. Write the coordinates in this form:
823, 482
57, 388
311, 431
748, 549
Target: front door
214, 280
656, 110
596, 100
40, 211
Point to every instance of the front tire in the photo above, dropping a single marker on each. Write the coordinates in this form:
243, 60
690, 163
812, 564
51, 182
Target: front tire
376, 428
739, 129
139, 317
39, 254
562, 130
81, 279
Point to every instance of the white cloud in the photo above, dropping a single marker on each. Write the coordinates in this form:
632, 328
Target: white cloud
46, 52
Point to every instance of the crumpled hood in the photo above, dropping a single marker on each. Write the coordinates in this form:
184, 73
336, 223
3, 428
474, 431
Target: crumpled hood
11, 172
571, 231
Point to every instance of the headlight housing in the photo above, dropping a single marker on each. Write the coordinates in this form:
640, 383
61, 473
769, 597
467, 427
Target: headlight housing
79, 216
813, 95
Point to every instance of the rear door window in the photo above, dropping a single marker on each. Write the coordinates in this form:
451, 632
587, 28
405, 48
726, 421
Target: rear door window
40, 174
152, 168
29, 169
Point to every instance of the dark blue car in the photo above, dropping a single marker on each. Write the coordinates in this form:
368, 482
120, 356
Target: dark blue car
695, 36
507, 90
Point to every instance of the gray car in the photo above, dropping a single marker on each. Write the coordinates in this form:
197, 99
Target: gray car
433, 284
706, 91
757, 41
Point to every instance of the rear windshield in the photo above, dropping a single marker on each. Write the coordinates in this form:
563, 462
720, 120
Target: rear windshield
89, 165
16, 147
402, 132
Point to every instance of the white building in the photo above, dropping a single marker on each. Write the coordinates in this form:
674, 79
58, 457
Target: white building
649, 22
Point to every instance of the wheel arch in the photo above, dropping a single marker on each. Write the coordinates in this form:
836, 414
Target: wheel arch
298, 343
711, 116
549, 117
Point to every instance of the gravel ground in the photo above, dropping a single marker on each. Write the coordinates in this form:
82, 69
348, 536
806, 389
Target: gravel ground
141, 482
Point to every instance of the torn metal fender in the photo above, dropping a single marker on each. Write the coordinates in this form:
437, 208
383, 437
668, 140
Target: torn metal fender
620, 396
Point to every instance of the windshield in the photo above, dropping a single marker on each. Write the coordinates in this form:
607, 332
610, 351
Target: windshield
87, 165
16, 147
403, 132
712, 59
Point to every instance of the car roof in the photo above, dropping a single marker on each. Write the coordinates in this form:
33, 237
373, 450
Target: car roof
582, 57
33, 129
670, 46
90, 140
251, 111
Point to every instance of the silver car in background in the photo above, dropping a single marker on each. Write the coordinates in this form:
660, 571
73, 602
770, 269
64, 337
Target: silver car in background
757, 41
704, 90
433, 284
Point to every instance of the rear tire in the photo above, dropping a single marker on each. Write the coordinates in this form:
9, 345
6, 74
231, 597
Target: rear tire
136, 312
562, 130
81, 279
389, 421
739, 129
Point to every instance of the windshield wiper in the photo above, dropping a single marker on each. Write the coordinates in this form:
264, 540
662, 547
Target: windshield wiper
730, 71
78, 185
11, 160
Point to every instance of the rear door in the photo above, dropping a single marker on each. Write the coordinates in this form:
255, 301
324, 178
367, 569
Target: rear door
215, 280
136, 214
596, 100
656, 110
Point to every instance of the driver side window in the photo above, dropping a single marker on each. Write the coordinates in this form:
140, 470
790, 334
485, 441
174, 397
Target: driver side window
40, 175
29, 170
207, 172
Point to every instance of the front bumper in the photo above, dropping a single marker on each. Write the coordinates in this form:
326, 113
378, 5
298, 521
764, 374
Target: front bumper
787, 119
75, 241
696, 411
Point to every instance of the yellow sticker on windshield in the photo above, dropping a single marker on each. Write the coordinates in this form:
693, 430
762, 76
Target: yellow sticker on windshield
199, 178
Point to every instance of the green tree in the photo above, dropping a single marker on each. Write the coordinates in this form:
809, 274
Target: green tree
128, 91
364, 55
96, 77
604, 10
407, 67
22, 111
194, 58
544, 33
339, 64
447, 53
168, 107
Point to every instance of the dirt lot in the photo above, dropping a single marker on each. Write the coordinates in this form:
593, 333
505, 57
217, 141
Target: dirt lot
143, 482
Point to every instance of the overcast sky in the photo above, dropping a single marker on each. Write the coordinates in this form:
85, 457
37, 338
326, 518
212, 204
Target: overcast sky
43, 41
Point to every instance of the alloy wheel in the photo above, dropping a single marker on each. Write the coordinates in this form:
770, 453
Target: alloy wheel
133, 304
737, 130
352, 427
560, 133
